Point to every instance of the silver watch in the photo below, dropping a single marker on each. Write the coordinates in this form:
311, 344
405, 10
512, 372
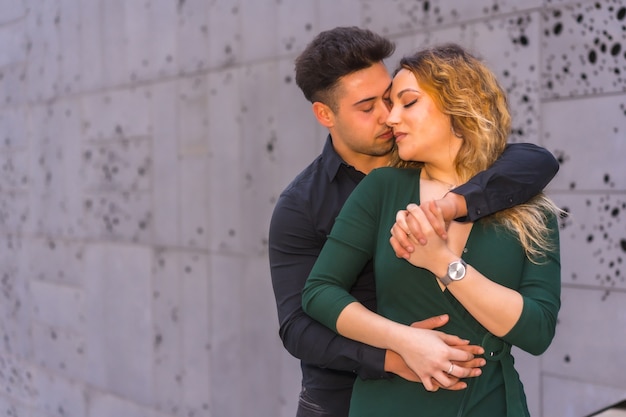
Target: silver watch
456, 272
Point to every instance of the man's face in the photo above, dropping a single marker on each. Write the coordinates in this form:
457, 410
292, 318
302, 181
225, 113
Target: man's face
359, 131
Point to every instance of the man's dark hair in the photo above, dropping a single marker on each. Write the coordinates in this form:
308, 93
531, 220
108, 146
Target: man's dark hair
334, 54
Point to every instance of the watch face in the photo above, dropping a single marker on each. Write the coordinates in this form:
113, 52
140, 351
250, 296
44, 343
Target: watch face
456, 270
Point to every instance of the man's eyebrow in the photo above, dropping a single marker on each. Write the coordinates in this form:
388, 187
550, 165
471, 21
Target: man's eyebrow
365, 100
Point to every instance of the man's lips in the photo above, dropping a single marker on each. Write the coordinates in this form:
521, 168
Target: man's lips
386, 135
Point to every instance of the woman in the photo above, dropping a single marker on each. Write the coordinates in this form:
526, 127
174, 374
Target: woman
499, 278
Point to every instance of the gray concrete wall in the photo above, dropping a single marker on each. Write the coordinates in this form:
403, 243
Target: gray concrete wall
143, 145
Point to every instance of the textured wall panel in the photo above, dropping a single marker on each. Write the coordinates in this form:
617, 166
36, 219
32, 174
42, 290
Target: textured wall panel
296, 22
105, 405
260, 132
46, 299
193, 36
12, 10
588, 138
17, 380
166, 312
584, 332
194, 198
573, 398
515, 60
594, 240
225, 40
59, 350
150, 48
92, 46
63, 261
54, 180
197, 328
13, 43
259, 338
584, 49
297, 140
224, 178
15, 308
398, 16
67, 20
116, 114
167, 206
227, 347
60, 396
334, 13
259, 28
14, 129
12, 87
118, 320
114, 22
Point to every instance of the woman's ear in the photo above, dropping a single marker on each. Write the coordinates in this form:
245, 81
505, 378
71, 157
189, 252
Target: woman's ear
324, 114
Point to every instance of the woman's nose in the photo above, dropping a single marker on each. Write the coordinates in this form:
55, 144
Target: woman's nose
391, 119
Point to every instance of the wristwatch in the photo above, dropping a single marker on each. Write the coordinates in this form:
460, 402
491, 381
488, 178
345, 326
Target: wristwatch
456, 272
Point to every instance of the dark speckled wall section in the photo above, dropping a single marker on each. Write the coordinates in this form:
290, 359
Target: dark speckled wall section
143, 145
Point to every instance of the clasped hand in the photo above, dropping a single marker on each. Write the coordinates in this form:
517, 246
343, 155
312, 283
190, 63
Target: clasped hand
443, 351
422, 225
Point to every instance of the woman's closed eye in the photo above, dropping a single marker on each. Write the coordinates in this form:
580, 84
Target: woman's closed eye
410, 103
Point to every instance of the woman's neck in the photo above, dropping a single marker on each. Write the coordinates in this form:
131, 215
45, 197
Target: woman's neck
448, 179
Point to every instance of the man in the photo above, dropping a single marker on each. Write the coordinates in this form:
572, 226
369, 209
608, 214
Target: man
341, 72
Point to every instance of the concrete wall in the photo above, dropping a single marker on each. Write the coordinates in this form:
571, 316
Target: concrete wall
143, 145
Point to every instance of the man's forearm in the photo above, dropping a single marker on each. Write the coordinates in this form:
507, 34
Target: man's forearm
521, 172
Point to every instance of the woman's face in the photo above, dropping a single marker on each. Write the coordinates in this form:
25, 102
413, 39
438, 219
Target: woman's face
423, 132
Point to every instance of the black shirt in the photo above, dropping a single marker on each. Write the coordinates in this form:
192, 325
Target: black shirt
302, 219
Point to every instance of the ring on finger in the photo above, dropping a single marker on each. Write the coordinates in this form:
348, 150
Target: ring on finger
451, 369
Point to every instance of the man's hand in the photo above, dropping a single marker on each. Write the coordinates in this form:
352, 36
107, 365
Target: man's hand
394, 362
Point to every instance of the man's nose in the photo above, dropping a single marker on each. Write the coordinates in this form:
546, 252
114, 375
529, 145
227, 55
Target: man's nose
383, 114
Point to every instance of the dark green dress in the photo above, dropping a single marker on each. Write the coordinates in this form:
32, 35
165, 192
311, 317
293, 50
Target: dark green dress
407, 294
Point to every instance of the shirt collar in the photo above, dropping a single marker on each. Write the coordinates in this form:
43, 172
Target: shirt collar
332, 160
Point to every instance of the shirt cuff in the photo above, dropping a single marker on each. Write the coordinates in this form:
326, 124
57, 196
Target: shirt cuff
373, 363
475, 200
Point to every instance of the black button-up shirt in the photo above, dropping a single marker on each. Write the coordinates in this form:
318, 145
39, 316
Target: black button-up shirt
303, 218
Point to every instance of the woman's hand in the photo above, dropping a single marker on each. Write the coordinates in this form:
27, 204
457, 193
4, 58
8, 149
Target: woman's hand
436, 357
395, 364
435, 252
407, 232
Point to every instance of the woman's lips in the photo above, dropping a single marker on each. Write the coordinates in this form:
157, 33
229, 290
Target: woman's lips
399, 136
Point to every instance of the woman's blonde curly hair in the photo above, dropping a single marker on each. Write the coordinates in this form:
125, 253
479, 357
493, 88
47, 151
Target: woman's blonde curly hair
466, 90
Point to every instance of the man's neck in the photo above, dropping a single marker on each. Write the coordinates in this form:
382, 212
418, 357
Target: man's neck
366, 163
361, 161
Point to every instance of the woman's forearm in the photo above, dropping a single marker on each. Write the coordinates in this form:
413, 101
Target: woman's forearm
358, 323
495, 306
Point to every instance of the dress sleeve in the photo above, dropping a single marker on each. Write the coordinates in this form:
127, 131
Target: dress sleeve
522, 171
541, 291
349, 246
293, 248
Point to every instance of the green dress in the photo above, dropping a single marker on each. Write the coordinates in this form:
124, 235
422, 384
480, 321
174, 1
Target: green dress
407, 294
